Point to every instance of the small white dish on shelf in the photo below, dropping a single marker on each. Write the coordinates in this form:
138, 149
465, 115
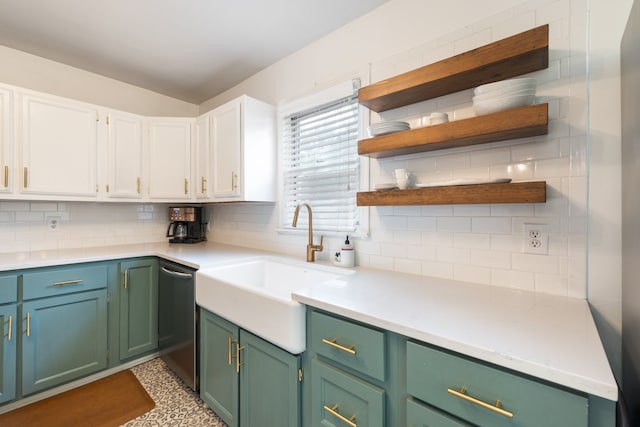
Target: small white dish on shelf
464, 181
384, 128
385, 186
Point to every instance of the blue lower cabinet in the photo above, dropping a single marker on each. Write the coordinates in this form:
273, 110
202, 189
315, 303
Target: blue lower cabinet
63, 338
421, 415
339, 399
138, 290
218, 377
246, 380
8, 320
269, 384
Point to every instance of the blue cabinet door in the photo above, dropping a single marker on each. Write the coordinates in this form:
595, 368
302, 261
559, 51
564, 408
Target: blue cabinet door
8, 322
138, 307
269, 384
218, 370
63, 338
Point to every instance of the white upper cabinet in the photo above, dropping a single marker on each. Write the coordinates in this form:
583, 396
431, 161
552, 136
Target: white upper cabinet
124, 155
244, 151
58, 142
6, 140
202, 158
170, 158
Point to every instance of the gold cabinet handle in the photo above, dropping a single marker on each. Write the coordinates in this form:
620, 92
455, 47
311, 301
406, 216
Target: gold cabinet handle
332, 342
333, 410
67, 282
138, 185
28, 323
462, 394
234, 179
25, 172
229, 352
239, 348
10, 324
126, 278
186, 186
6, 176
203, 185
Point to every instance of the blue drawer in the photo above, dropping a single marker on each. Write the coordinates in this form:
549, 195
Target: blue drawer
353, 345
339, 399
8, 289
63, 280
486, 395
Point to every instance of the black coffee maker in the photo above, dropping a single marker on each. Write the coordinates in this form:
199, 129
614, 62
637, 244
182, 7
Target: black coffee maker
186, 225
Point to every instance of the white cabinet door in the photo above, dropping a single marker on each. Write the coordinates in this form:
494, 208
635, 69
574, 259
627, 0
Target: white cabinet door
58, 144
170, 158
226, 134
6, 140
125, 155
244, 151
202, 158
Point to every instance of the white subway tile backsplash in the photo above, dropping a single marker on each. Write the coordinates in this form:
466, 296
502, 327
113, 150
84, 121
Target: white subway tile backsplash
469, 273
29, 217
454, 224
491, 225
472, 241
437, 269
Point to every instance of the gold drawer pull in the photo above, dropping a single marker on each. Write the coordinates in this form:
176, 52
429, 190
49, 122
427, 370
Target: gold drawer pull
333, 410
462, 394
10, 328
68, 282
6, 176
239, 348
351, 350
28, 324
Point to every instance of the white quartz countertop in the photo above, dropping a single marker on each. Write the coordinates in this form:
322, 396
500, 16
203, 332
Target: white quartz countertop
549, 337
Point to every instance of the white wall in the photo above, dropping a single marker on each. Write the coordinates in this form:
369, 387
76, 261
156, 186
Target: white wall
32, 72
606, 26
474, 243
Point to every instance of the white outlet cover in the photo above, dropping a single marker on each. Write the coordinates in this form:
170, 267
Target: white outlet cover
533, 245
53, 222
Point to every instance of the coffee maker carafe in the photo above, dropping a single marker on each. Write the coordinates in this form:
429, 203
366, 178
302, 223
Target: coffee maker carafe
186, 225
177, 230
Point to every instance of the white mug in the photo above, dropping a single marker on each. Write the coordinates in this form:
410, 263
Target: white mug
401, 174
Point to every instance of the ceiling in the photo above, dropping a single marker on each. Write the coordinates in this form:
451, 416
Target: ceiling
187, 49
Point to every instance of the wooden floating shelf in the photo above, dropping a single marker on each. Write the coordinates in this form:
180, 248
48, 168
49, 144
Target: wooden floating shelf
513, 56
517, 123
516, 192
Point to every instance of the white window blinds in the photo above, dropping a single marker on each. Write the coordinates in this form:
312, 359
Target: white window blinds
321, 164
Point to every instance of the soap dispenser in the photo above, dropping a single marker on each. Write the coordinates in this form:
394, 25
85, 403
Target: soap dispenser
346, 256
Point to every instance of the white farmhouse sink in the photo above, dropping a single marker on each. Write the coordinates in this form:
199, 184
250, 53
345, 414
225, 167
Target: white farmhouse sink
255, 294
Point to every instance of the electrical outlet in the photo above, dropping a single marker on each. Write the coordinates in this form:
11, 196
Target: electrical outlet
535, 239
53, 222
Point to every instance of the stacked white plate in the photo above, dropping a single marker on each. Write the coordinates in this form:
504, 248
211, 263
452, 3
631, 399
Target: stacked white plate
504, 95
384, 128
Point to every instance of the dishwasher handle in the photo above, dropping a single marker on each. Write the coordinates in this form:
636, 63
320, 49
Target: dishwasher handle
177, 273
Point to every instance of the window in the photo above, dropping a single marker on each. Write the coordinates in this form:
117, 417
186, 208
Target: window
321, 164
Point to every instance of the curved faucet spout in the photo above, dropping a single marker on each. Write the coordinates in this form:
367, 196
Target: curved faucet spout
311, 248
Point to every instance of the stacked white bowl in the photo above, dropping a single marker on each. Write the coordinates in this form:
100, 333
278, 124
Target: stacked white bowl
504, 95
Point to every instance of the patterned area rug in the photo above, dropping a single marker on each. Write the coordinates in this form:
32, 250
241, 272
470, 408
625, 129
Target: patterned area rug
176, 404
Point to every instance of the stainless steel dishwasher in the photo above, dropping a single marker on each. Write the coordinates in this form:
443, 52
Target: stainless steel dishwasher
177, 321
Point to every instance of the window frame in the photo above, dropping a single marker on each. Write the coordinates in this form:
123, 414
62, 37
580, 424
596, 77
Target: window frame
317, 99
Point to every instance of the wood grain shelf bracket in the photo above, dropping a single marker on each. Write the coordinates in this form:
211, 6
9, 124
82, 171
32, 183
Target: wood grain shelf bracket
515, 192
513, 56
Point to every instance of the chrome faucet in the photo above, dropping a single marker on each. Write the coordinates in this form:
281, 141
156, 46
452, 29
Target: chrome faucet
311, 248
